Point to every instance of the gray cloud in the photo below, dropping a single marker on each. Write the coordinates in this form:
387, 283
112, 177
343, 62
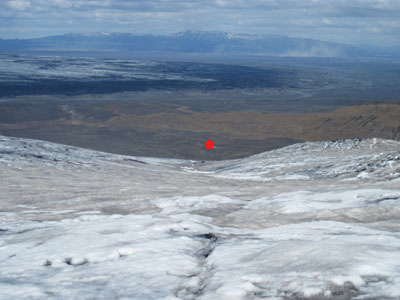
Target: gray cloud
349, 21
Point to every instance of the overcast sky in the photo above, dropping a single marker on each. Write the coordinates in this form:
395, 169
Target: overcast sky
373, 22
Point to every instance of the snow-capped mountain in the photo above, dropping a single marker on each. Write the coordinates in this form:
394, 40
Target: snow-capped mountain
310, 221
195, 42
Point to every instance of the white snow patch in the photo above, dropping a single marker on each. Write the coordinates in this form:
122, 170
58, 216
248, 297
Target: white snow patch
187, 204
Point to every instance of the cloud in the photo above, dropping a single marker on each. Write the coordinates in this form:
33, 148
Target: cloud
18, 4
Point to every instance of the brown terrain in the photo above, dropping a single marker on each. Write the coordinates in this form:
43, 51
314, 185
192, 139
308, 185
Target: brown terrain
357, 121
181, 132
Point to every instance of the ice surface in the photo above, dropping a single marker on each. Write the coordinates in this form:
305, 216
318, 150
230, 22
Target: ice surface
309, 221
373, 159
126, 256
304, 201
307, 260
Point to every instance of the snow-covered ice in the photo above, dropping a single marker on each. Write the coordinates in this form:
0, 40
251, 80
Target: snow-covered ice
309, 221
28, 69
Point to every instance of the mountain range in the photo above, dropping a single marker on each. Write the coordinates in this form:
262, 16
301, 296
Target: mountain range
189, 42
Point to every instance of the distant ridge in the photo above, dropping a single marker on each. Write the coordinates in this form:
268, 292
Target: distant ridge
196, 42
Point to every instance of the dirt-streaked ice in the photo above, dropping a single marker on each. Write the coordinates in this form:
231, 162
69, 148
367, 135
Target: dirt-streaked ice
309, 221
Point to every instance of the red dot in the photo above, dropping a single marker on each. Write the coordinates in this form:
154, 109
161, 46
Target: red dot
209, 144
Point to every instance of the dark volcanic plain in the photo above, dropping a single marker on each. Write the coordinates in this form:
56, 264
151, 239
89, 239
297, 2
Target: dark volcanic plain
168, 109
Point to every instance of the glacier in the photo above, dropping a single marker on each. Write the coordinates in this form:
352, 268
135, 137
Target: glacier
316, 220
